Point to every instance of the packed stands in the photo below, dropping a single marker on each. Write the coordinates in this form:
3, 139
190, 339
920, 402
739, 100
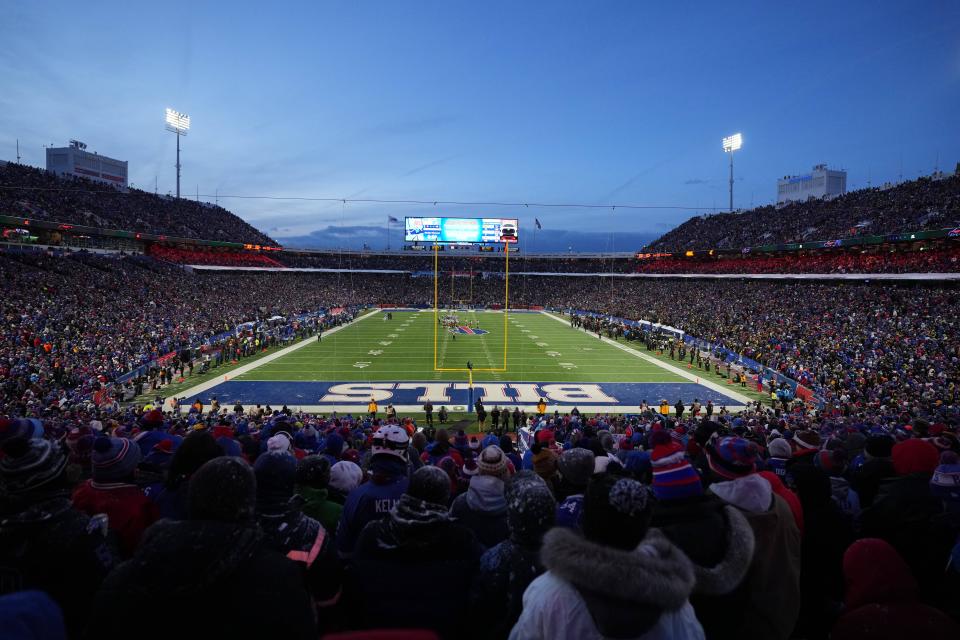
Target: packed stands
33, 193
457, 261
211, 256
827, 519
940, 260
925, 203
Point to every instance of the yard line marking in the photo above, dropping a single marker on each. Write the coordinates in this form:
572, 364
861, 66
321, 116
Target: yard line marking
663, 365
212, 382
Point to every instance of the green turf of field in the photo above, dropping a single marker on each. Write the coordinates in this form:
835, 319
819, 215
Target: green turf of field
539, 349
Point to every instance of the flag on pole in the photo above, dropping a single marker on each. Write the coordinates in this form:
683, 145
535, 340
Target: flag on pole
392, 219
537, 221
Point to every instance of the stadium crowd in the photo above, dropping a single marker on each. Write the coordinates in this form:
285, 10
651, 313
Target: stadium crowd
916, 205
33, 193
879, 348
763, 524
837, 518
211, 256
456, 261
941, 259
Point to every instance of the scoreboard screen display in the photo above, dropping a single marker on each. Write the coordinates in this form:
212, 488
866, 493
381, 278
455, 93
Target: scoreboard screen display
462, 230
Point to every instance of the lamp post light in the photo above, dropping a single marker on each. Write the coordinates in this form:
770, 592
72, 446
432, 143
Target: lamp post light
731, 144
178, 123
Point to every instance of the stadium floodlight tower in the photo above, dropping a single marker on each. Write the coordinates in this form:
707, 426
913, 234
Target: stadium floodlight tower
731, 144
179, 123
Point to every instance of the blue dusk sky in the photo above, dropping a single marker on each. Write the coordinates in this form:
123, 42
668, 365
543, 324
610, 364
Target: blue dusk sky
551, 102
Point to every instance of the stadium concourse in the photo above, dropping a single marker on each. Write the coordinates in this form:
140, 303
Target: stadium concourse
826, 505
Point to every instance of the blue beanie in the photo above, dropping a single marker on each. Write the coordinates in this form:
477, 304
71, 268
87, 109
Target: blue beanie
114, 459
276, 476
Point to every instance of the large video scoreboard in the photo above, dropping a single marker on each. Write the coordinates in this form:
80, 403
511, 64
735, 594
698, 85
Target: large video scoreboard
461, 230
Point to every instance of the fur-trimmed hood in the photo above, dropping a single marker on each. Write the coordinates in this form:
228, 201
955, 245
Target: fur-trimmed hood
625, 591
727, 574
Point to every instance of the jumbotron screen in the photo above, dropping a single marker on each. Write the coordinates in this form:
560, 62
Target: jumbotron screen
476, 230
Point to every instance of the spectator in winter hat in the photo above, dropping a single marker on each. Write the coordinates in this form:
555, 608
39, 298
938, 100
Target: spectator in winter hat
204, 566
904, 511
877, 466
508, 568
483, 509
576, 468
152, 432
333, 448
715, 536
441, 448
882, 599
617, 579
673, 476
418, 545
170, 496
279, 443
780, 451
298, 536
773, 583
113, 491
915, 456
388, 480
13, 428
47, 543
345, 476
545, 463
313, 478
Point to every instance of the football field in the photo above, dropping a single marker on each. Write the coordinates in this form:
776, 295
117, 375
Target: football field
412, 359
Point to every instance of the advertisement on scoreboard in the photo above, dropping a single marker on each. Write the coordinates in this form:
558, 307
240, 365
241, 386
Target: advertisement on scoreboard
478, 230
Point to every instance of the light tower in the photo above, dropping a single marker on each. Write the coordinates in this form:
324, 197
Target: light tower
731, 144
178, 123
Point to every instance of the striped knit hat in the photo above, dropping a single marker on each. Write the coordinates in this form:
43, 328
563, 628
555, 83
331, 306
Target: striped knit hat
673, 477
114, 459
30, 464
732, 458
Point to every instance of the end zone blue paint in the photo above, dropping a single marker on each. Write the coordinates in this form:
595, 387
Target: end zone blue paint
628, 395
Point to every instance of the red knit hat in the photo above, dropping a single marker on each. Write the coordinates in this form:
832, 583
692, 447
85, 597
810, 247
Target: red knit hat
915, 456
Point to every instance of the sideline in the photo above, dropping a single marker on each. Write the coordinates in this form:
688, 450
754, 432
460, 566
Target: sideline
169, 405
744, 400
